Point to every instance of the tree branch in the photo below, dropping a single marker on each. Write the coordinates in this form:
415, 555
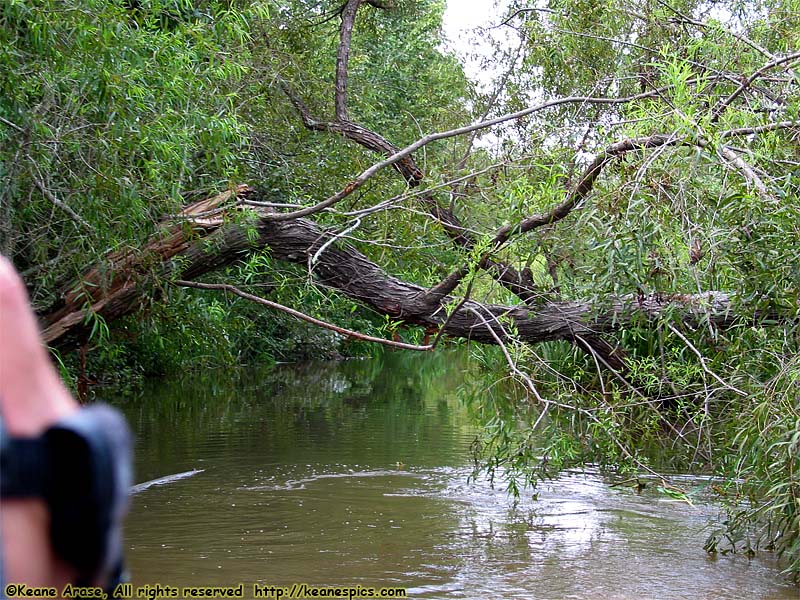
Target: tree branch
59, 203
742, 38
385, 5
748, 81
299, 315
399, 155
746, 170
759, 129
126, 282
343, 57
505, 274
435, 295
584, 185
509, 277
358, 134
11, 124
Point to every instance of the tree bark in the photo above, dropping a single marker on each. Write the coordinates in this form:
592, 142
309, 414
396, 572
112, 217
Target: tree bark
128, 281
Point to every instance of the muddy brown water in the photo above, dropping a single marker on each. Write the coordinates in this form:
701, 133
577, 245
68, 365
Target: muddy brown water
355, 473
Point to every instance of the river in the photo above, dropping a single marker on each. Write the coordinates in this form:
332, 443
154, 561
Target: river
355, 473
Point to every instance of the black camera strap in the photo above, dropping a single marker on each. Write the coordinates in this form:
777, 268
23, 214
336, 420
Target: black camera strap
81, 467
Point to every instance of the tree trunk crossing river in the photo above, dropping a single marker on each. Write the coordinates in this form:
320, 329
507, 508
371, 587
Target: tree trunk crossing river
355, 473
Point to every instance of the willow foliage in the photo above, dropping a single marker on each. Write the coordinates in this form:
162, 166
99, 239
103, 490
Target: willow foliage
651, 186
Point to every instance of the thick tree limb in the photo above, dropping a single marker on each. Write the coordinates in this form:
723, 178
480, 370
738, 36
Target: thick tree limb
130, 280
356, 133
343, 57
520, 283
345, 269
114, 288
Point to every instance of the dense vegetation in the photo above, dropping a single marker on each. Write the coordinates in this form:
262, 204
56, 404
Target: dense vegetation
625, 242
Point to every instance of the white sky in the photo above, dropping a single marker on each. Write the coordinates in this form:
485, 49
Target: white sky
467, 14
461, 17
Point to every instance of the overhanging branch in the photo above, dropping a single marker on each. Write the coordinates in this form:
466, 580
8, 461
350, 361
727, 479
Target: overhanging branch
134, 279
224, 287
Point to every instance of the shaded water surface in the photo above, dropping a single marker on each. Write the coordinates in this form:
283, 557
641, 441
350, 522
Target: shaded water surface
356, 473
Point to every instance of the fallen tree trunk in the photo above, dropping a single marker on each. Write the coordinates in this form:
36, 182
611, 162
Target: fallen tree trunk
127, 281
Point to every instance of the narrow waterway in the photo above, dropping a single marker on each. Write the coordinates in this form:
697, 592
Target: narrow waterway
355, 473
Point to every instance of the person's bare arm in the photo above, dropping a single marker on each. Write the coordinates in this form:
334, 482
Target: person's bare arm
32, 397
